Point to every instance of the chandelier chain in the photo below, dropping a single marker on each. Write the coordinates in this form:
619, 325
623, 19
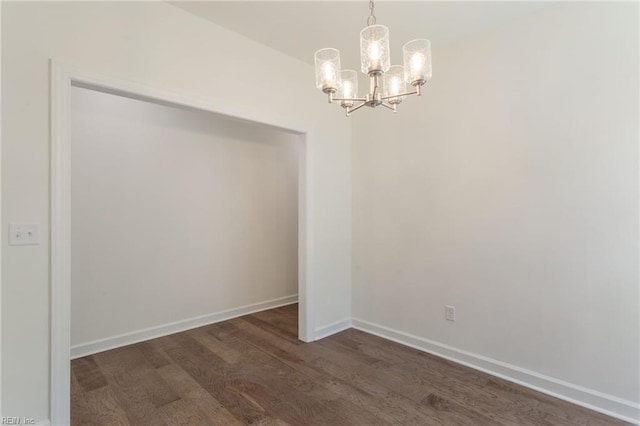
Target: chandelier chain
371, 20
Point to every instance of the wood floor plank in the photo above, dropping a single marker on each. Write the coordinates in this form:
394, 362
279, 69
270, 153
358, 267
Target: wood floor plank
126, 370
452, 390
380, 409
215, 345
103, 409
184, 413
302, 394
281, 392
278, 331
80, 414
280, 318
206, 369
392, 403
252, 393
253, 370
471, 387
292, 312
466, 396
134, 367
556, 411
190, 390
153, 352
393, 392
88, 373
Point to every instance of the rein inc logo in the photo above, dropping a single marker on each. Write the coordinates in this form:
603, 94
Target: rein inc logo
17, 421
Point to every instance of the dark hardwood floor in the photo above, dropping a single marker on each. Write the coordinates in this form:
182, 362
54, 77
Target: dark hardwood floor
254, 370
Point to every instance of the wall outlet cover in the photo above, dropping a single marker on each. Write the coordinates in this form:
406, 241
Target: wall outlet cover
450, 313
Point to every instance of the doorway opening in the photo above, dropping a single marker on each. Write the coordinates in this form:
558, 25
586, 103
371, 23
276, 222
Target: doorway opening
167, 229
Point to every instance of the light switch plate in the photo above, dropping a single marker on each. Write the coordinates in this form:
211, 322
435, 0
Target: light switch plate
24, 234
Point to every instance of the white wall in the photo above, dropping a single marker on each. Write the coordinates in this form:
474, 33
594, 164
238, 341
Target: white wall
175, 214
1, 246
510, 190
157, 45
0, 214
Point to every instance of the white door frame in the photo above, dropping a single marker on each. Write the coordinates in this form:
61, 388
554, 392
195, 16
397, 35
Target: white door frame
62, 78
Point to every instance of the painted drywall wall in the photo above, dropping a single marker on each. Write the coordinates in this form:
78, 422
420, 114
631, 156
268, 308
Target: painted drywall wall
175, 214
161, 46
0, 215
510, 190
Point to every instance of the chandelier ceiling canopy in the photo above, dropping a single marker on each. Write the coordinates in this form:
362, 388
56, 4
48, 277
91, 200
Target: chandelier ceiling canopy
342, 85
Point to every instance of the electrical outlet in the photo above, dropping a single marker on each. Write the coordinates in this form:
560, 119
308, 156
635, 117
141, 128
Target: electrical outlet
450, 313
24, 234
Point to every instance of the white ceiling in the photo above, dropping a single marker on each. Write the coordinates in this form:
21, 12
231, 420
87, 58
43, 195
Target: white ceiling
299, 28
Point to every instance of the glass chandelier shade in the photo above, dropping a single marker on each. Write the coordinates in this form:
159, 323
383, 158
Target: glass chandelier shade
417, 61
374, 49
327, 69
348, 86
394, 84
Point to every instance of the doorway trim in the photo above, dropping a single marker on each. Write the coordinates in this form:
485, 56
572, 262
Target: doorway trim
63, 77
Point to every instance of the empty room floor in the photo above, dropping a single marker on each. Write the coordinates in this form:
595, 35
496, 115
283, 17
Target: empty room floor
254, 370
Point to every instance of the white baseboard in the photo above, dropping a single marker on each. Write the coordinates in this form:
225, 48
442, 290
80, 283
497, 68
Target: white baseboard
95, 346
579, 395
333, 328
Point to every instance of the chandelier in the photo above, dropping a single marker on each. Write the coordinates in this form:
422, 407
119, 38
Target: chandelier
342, 85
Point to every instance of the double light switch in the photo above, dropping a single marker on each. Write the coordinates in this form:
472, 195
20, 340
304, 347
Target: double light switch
24, 234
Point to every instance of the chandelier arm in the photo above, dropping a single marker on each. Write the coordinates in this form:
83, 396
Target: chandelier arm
350, 110
388, 106
350, 99
415, 92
